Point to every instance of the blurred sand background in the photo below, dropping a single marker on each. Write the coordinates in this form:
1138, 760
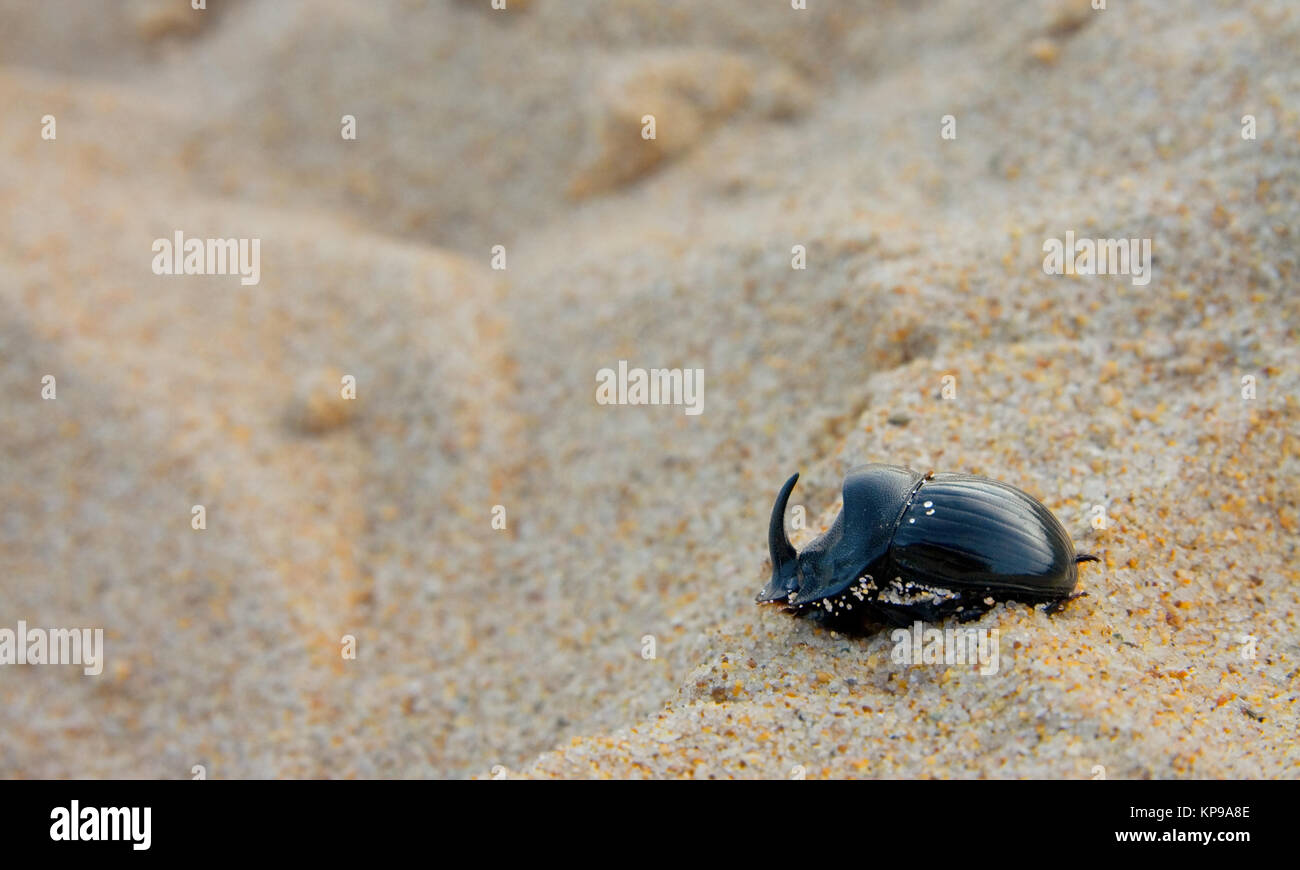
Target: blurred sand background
523, 647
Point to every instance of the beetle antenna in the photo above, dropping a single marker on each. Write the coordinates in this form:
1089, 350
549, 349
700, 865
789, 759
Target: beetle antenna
1086, 557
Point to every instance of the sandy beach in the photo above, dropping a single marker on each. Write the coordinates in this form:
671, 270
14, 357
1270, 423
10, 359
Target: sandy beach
840, 222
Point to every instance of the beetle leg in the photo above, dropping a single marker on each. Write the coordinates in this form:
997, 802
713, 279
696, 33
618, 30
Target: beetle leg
970, 612
1058, 604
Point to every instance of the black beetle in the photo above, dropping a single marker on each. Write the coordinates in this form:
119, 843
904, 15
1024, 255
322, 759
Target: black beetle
911, 546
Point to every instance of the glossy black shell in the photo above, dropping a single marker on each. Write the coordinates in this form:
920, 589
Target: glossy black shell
908, 545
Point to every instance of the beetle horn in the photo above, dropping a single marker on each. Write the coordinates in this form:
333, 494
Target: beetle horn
778, 544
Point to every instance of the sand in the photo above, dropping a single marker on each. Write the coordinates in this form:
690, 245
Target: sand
522, 651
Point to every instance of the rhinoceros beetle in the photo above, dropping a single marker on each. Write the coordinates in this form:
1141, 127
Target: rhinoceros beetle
910, 546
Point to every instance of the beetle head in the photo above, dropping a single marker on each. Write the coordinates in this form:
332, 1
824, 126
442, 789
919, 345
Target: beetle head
875, 496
